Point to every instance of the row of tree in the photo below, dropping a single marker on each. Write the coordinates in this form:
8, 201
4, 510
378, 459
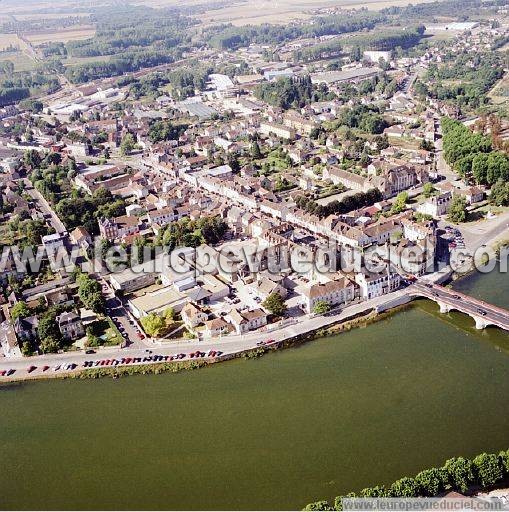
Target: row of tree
459, 474
231, 37
472, 155
348, 204
127, 62
192, 233
288, 93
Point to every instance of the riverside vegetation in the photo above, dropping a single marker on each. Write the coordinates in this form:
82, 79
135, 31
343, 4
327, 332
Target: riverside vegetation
486, 471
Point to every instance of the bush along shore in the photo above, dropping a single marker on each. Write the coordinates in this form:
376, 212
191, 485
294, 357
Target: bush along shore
485, 471
158, 368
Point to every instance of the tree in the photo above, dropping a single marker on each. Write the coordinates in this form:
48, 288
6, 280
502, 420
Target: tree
319, 505
153, 324
128, 144
460, 471
504, 461
428, 189
20, 310
427, 145
431, 481
399, 204
373, 492
275, 304
321, 307
50, 345
499, 195
488, 469
480, 168
89, 292
169, 314
48, 327
404, 488
256, 154
458, 209
32, 158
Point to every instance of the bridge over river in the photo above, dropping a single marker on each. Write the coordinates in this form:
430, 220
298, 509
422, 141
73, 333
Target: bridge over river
483, 313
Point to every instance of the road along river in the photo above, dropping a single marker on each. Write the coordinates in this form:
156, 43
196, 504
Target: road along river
338, 414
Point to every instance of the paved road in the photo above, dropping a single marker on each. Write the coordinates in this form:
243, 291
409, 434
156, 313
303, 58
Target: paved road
44, 207
122, 318
481, 233
228, 344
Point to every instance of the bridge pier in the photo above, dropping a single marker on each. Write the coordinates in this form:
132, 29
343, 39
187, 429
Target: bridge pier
444, 308
480, 322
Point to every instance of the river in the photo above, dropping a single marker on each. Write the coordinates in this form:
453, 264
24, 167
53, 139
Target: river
331, 416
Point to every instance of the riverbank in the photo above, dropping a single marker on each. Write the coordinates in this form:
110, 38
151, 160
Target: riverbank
335, 326
414, 389
136, 361
480, 475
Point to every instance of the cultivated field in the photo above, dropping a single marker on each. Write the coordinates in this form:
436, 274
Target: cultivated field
7, 40
21, 61
500, 93
50, 16
256, 12
70, 34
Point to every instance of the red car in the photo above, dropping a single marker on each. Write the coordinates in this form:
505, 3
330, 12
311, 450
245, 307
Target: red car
31, 369
45, 368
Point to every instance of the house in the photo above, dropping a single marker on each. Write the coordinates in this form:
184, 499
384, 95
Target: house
376, 284
279, 130
59, 297
298, 122
53, 242
245, 321
216, 327
26, 328
397, 130
81, 237
474, 195
70, 325
266, 286
338, 291
193, 316
436, 206
118, 227
134, 278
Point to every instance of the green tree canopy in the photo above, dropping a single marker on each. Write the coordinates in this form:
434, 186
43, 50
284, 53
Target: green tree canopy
20, 310
275, 304
321, 307
461, 473
458, 209
488, 469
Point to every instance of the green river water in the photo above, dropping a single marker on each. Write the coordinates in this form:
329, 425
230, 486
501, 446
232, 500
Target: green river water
331, 416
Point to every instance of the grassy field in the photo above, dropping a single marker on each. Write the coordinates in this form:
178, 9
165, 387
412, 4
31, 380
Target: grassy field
7, 40
21, 61
70, 34
76, 61
50, 16
256, 12
500, 93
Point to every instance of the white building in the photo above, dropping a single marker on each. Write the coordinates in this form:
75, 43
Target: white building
376, 285
436, 206
339, 291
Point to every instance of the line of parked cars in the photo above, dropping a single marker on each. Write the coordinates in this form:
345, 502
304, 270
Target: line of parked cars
149, 358
264, 343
